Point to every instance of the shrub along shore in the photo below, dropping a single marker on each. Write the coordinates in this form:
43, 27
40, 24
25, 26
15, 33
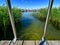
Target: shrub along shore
5, 25
54, 18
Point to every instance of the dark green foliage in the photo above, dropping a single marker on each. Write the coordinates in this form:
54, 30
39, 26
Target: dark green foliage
17, 14
54, 17
5, 20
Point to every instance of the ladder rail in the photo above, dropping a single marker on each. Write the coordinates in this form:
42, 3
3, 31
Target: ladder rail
47, 18
12, 21
12, 18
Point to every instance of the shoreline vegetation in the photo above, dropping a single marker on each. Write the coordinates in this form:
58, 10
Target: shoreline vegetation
6, 29
54, 18
5, 25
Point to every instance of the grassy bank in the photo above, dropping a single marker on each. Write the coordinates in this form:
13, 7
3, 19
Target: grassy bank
5, 25
54, 18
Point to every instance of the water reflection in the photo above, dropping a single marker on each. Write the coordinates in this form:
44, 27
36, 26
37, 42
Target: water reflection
26, 19
33, 28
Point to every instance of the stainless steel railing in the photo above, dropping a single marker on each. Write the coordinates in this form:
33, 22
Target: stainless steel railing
12, 22
44, 42
12, 19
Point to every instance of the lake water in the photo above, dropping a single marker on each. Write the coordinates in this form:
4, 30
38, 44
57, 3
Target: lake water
32, 28
26, 19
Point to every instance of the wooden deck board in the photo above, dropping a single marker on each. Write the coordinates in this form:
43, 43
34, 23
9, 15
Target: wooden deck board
54, 42
19, 42
4, 42
29, 43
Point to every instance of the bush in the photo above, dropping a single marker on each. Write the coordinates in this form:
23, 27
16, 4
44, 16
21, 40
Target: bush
54, 17
5, 20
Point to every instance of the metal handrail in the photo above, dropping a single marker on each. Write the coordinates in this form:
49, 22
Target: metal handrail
47, 18
12, 21
44, 42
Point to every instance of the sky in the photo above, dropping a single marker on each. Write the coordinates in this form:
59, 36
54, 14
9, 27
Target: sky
30, 4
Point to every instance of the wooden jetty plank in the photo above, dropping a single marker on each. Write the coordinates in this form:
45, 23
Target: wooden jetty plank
37, 42
4, 42
27, 42
19, 42
54, 42
50, 42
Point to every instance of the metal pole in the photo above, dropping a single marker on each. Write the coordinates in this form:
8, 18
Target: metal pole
48, 14
11, 19
44, 42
